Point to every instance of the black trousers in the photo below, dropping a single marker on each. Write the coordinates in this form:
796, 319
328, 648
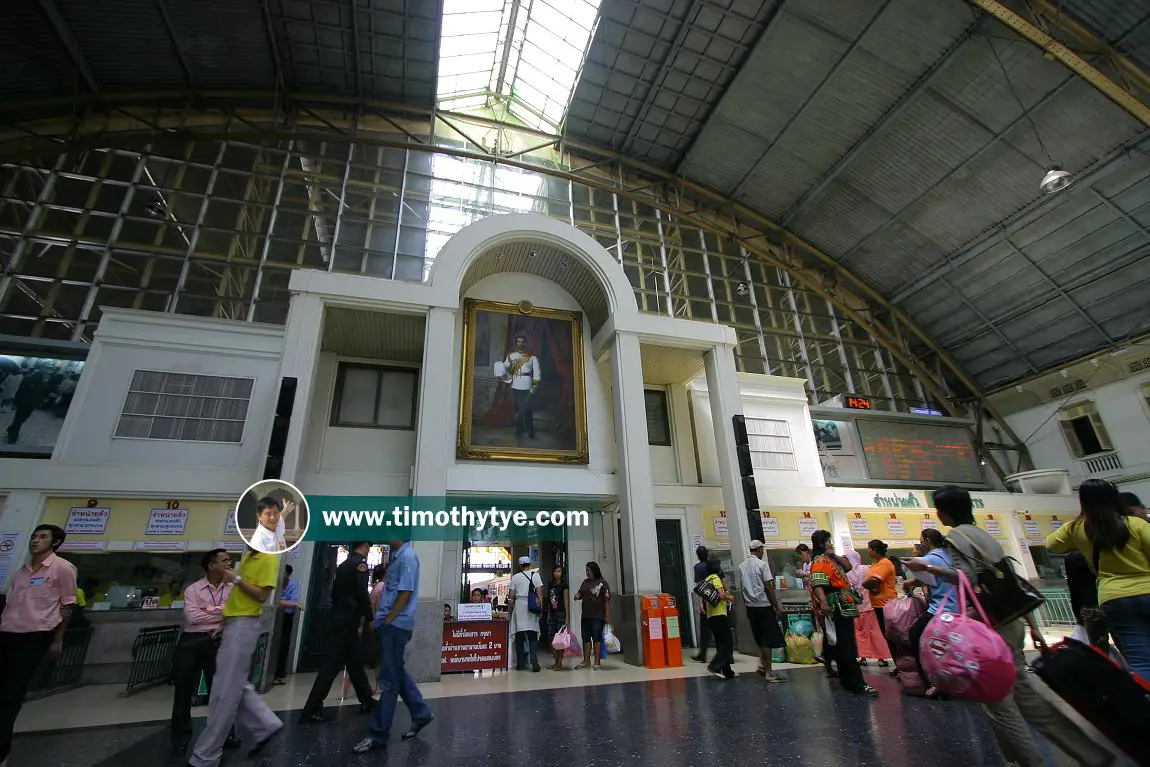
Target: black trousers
345, 651
724, 645
285, 646
20, 656
18, 418
194, 654
846, 655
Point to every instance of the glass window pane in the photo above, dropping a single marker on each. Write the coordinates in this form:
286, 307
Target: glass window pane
397, 399
357, 397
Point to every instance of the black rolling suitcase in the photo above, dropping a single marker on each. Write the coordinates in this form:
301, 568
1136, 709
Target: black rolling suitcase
1114, 701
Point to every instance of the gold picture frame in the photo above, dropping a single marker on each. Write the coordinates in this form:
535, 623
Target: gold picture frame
498, 431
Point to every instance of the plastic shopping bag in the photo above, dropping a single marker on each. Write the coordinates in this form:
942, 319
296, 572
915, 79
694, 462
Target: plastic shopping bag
610, 641
817, 643
799, 649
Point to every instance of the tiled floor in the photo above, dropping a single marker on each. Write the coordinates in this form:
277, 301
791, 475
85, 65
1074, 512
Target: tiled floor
621, 716
684, 720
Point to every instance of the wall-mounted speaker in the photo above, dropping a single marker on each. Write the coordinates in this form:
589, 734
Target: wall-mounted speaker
740, 424
281, 425
750, 494
746, 468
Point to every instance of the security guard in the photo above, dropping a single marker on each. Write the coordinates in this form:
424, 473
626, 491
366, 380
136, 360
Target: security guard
350, 618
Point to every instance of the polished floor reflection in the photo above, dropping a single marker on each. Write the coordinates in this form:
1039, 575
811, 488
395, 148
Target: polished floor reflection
690, 721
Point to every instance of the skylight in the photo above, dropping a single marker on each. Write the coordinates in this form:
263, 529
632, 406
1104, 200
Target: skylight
525, 54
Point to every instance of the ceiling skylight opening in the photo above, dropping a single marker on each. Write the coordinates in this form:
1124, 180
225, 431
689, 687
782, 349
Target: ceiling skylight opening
524, 54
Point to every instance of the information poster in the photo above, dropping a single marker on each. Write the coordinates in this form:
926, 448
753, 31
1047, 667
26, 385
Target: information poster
87, 520
474, 646
808, 526
770, 527
994, 528
1032, 530
895, 528
720, 527
8, 544
929, 523
167, 521
475, 612
696, 542
161, 545
230, 527
860, 528
1055, 523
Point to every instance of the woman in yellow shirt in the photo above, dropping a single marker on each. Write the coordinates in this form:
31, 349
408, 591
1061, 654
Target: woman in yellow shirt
720, 624
1118, 545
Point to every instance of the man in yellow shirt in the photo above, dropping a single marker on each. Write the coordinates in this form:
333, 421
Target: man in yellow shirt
232, 694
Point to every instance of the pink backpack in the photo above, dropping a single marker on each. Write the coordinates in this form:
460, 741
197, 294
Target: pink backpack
964, 658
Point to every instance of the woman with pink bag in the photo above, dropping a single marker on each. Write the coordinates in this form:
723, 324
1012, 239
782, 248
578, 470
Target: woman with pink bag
556, 608
974, 551
868, 632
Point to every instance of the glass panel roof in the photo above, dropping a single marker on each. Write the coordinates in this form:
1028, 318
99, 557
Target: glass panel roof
524, 53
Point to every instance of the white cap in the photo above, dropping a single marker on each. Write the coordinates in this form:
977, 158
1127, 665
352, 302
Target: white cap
524, 560
755, 545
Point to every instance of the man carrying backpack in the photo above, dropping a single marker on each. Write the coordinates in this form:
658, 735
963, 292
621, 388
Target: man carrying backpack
976, 553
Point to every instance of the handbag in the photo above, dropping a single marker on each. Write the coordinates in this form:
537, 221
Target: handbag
1000, 591
707, 592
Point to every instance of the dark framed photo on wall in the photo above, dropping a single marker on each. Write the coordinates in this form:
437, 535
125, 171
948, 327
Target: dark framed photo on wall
523, 396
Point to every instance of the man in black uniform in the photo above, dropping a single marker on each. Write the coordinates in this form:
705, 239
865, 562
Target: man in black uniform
350, 618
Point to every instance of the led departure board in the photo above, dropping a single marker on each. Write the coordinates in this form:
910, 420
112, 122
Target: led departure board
918, 452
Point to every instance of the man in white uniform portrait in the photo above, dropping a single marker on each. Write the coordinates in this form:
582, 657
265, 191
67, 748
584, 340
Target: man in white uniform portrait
268, 537
521, 367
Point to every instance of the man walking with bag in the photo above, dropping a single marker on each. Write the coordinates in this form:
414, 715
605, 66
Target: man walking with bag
395, 622
975, 552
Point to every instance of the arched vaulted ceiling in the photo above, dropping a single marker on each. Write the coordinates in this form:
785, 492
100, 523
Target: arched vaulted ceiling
902, 143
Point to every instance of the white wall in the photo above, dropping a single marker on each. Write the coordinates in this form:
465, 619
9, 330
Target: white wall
352, 461
128, 341
598, 477
771, 397
1124, 413
664, 458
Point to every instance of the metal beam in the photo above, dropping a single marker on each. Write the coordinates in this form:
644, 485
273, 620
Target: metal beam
355, 45
1126, 68
933, 187
1123, 214
685, 25
1067, 58
752, 169
888, 119
179, 48
993, 327
1040, 207
64, 32
1058, 289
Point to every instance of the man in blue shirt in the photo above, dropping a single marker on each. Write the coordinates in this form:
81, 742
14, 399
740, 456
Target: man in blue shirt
394, 622
289, 601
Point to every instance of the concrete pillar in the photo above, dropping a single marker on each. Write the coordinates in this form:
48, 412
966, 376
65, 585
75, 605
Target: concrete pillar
440, 562
726, 402
19, 514
1016, 544
302, 341
636, 496
841, 533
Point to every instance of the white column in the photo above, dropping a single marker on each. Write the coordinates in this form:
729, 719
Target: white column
300, 360
435, 448
726, 402
633, 469
1017, 546
20, 512
841, 537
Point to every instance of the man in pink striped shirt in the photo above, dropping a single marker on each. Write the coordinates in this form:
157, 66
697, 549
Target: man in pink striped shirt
204, 604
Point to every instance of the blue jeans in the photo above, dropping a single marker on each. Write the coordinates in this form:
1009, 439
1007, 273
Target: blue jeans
394, 681
526, 649
1129, 620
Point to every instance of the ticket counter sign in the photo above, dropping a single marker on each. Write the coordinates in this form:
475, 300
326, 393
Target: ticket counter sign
474, 646
87, 520
167, 522
474, 612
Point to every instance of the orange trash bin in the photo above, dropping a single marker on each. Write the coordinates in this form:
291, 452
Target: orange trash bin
672, 641
654, 650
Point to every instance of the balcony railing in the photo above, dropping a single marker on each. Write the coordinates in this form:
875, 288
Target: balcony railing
1100, 463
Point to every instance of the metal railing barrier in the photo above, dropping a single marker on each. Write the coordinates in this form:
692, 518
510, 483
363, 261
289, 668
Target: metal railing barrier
152, 653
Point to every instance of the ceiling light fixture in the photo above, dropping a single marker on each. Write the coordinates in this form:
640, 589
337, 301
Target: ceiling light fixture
1055, 180
742, 289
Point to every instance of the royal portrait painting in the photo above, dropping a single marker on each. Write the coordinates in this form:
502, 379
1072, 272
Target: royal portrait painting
523, 395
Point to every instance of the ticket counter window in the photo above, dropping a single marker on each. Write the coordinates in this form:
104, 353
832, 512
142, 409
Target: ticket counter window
125, 580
